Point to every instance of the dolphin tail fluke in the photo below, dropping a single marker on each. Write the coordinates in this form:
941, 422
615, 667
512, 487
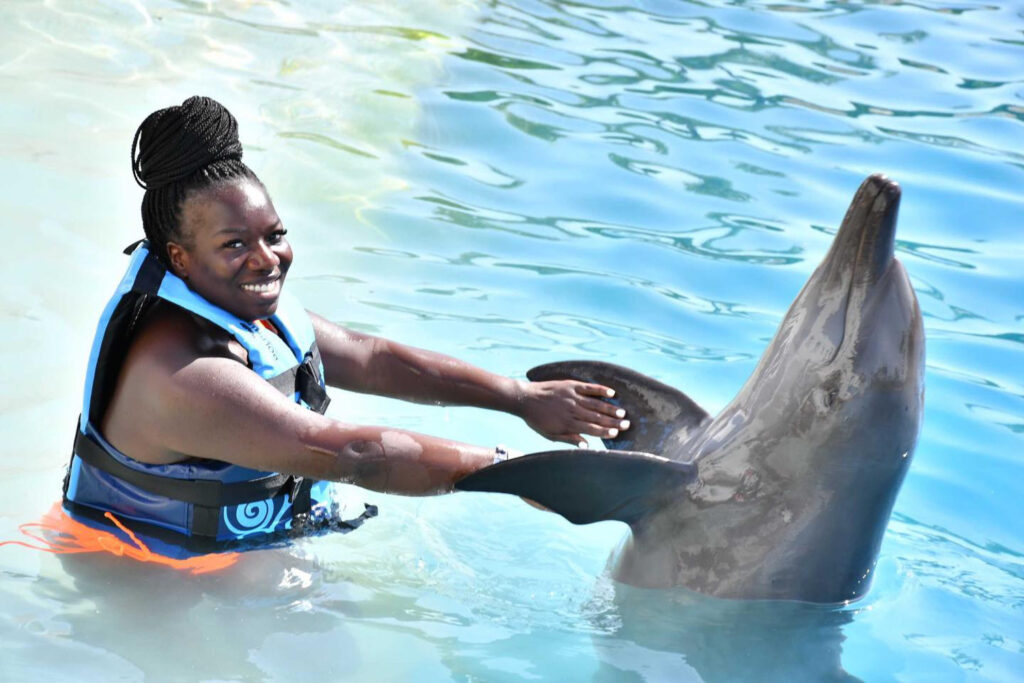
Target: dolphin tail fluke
655, 410
586, 486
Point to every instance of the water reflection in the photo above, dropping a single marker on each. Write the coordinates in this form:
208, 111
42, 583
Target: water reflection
502, 61
465, 215
714, 242
114, 606
434, 315
1002, 418
606, 69
279, 25
326, 141
953, 142
589, 336
923, 251
710, 243
481, 172
694, 182
987, 571
720, 640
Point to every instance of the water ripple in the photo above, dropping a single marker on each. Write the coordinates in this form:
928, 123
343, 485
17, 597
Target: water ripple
326, 141
590, 337
990, 572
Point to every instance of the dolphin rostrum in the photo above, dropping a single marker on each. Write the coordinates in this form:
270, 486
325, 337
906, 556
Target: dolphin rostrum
787, 492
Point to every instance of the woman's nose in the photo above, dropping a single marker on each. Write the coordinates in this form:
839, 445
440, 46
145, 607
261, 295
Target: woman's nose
262, 257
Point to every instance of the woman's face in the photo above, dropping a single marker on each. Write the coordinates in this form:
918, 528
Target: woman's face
233, 252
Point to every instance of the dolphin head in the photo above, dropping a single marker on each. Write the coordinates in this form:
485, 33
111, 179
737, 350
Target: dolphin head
824, 429
854, 331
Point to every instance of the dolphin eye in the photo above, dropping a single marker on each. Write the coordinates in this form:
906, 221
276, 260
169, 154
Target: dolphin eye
825, 398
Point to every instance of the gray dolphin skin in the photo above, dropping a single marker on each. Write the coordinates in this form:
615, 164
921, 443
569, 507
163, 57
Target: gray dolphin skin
786, 493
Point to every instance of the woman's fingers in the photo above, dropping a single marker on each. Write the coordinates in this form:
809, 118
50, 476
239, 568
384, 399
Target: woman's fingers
601, 407
601, 412
589, 420
604, 428
595, 390
574, 439
568, 409
597, 417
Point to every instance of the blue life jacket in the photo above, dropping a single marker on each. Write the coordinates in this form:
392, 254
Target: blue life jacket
204, 502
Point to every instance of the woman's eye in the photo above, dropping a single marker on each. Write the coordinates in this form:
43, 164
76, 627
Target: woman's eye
232, 244
276, 236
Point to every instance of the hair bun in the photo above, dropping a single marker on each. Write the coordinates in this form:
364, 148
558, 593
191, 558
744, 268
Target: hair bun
173, 144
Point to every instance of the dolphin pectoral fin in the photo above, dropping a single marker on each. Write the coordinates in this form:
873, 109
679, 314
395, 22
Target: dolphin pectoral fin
655, 410
586, 486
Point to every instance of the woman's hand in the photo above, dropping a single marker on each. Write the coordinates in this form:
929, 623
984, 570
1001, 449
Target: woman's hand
565, 410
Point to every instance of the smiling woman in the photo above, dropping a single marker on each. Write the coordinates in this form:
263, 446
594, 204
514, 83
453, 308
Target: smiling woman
236, 250
203, 417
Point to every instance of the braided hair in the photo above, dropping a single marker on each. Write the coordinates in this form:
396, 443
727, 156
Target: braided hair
178, 151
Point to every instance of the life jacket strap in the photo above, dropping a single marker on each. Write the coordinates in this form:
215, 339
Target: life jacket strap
305, 379
204, 492
205, 521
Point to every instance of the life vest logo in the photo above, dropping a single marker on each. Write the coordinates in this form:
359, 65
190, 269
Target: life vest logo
257, 517
270, 346
266, 338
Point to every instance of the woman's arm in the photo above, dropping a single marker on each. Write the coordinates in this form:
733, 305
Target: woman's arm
217, 408
560, 410
174, 400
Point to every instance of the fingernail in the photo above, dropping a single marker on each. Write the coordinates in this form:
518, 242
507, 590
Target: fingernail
624, 424
582, 444
613, 432
620, 413
609, 393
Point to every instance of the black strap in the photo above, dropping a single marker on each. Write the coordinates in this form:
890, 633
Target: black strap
307, 383
118, 335
130, 249
201, 492
150, 276
302, 501
305, 379
285, 382
205, 521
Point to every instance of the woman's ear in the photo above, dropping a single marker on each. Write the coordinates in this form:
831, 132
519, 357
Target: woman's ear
178, 258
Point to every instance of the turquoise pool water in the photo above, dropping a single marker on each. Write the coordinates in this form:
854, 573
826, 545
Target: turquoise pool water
513, 183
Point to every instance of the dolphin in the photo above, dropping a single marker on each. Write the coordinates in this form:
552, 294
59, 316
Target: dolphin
785, 494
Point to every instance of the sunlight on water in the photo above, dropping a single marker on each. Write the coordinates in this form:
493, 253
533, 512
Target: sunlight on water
647, 183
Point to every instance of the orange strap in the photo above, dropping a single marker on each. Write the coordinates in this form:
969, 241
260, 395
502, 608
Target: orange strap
70, 536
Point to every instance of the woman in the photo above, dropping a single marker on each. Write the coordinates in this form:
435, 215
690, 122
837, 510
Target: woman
203, 407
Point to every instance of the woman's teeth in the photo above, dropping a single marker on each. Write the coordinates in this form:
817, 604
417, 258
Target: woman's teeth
265, 288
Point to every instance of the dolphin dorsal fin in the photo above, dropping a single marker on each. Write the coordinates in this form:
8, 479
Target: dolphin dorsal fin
655, 410
587, 486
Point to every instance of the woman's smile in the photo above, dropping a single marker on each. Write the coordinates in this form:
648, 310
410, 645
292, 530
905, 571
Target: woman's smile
269, 289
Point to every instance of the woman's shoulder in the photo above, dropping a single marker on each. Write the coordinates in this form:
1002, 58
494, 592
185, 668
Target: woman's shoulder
171, 334
165, 340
